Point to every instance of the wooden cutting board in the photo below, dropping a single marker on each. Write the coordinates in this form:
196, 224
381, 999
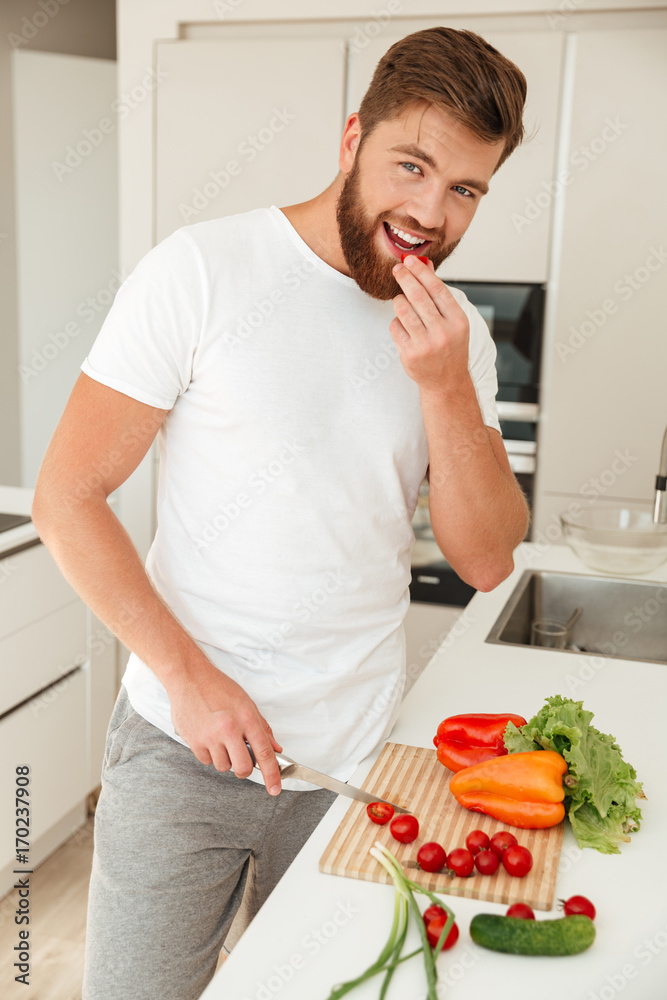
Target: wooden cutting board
414, 778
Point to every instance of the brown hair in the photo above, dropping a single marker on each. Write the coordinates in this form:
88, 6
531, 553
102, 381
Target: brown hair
456, 71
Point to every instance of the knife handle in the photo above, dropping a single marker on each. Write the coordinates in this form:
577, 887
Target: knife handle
283, 762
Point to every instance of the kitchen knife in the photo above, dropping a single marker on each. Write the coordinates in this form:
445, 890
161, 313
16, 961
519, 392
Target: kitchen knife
290, 769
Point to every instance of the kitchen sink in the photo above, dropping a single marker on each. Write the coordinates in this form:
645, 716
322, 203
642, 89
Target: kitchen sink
622, 618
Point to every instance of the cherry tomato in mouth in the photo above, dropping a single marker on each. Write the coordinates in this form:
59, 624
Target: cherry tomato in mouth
501, 841
461, 862
434, 930
380, 812
424, 260
577, 905
517, 860
477, 841
521, 911
486, 862
404, 828
431, 857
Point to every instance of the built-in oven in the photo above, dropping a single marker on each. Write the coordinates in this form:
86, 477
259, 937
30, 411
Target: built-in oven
514, 313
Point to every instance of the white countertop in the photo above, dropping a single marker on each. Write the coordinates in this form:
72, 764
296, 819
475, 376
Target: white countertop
317, 930
16, 500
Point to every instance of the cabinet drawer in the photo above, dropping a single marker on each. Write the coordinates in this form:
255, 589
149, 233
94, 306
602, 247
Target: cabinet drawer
32, 587
39, 654
49, 735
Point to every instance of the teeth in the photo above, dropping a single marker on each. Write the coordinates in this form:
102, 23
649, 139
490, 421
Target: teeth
415, 240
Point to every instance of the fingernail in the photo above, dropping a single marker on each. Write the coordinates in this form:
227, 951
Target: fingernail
396, 268
274, 790
409, 260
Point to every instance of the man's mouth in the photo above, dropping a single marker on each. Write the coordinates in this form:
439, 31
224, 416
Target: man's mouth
404, 242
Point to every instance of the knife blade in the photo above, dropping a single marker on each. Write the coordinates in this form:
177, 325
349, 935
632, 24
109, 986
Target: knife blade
290, 769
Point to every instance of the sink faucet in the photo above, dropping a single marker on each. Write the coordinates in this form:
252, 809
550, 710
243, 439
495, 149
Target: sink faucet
660, 509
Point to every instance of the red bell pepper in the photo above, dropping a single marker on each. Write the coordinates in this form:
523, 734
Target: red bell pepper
464, 740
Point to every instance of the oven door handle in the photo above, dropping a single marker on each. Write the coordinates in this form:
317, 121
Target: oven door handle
521, 463
524, 412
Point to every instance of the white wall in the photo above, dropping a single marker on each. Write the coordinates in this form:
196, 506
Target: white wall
77, 27
66, 153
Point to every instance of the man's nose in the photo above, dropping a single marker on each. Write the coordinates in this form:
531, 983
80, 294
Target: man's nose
428, 209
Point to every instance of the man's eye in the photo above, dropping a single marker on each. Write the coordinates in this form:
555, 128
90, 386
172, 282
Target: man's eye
411, 167
462, 190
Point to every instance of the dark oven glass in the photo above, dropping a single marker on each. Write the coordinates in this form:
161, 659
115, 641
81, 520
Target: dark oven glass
514, 315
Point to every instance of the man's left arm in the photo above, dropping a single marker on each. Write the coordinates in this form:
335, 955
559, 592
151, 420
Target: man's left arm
478, 512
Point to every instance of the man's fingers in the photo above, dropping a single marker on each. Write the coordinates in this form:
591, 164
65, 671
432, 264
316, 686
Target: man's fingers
274, 743
202, 754
220, 760
266, 759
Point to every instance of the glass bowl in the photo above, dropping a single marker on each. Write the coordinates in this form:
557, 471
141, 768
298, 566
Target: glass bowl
616, 539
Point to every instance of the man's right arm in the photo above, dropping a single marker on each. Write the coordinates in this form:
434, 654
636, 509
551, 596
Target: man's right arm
100, 440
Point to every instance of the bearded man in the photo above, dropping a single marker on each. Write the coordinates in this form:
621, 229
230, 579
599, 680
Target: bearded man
302, 380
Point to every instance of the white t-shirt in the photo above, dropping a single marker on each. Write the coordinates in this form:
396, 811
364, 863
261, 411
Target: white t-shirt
290, 465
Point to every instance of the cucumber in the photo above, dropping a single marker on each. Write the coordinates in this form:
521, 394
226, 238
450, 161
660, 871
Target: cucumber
566, 936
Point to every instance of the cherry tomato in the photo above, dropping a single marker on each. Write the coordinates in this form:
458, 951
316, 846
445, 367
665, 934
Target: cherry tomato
433, 911
578, 904
431, 857
501, 841
517, 860
477, 841
520, 910
404, 828
380, 812
434, 930
460, 861
487, 862
424, 260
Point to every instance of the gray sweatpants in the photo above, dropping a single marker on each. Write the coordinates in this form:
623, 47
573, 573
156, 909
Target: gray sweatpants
179, 847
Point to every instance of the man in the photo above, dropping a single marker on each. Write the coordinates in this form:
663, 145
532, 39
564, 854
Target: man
302, 380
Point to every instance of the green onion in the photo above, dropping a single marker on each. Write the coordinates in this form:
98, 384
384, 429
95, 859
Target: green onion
390, 956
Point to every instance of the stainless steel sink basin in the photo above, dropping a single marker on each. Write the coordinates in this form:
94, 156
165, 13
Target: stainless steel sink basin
622, 618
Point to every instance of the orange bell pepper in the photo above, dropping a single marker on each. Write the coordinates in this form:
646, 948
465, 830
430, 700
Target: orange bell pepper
520, 789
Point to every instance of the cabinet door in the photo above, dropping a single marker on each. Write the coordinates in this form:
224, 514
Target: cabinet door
603, 412
35, 656
35, 587
245, 124
502, 243
65, 168
426, 628
48, 734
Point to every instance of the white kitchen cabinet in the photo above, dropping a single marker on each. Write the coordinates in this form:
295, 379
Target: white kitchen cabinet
58, 684
65, 126
502, 244
33, 657
48, 735
33, 587
243, 124
603, 410
426, 626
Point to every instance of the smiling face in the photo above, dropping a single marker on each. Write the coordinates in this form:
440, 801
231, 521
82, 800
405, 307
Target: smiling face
422, 174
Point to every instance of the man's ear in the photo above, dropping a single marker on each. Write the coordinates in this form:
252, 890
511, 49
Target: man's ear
350, 142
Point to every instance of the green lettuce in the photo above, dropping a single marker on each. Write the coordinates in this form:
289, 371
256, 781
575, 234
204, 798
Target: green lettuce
600, 787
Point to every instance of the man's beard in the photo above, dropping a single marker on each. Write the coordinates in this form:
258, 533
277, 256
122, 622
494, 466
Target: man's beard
370, 268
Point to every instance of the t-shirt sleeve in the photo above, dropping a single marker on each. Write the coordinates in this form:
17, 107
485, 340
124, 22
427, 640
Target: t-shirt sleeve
481, 361
146, 345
